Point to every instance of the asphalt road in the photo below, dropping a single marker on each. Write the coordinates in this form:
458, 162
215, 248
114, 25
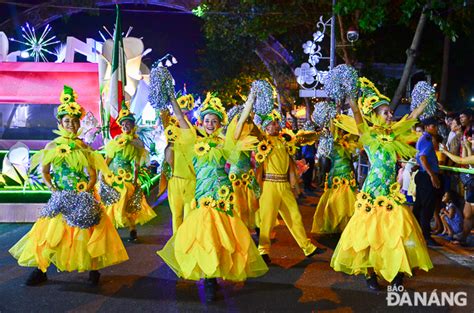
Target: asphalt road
293, 284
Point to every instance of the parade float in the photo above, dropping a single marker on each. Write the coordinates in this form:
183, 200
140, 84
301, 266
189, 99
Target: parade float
29, 96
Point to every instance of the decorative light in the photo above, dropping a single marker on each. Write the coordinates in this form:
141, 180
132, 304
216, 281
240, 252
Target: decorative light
168, 63
173, 59
25, 54
37, 46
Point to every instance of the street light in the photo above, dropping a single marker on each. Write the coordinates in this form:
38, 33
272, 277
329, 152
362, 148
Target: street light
168, 60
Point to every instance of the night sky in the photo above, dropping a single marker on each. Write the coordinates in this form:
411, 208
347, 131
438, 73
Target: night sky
168, 32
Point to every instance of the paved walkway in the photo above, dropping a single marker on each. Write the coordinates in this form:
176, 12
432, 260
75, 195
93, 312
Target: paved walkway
293, 284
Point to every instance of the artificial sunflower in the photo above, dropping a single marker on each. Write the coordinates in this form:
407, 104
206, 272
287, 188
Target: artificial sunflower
81, 186
223, 192
287, 135
365, 82
264, 147
221, 205
201, 148
236, 183
245, 177
400, 198
109, 178
336, 181
118, 180
259, 157
232, 176
183, 102
251, 172
363, 197
389, 205
380, 202
63, 150
360, 205
65, 98
170, 132
352, 182
394, 188
123, 112
231, 198
215, 102
121, 172
384, 138
174, 121
344, 182
206, 202
368, 207
128, 176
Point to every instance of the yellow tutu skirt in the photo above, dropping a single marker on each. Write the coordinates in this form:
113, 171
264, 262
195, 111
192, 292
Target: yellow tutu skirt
52, 240
117, 211
334, 210
388, 241
211, 244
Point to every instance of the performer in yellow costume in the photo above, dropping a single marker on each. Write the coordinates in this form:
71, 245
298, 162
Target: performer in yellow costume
73, 231
125, 155
336, 205
279, 178
213, 242
182, 182
383, 237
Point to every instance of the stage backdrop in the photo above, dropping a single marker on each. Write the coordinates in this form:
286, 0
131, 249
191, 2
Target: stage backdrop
42, 83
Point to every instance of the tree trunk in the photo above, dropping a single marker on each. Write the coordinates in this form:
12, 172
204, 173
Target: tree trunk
445, 71
411, 55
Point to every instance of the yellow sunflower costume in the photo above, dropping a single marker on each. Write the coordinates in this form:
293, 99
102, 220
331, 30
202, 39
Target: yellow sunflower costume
125, 154
274, 154
73, 232
336, 205
212, 241
383, 234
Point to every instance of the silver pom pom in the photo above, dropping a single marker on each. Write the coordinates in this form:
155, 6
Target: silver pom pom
161, 85
108, 194
257, 120
53, 207
323, 113
424, 91
325, 145
234, 111
263, 97
309, 126
341, 82
134, 203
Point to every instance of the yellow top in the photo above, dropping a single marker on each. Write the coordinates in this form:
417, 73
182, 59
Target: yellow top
278, 161
183, 147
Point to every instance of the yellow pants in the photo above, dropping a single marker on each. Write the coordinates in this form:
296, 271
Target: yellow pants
180, 192
277, 197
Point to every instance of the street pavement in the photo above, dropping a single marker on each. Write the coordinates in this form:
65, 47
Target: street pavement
293, 284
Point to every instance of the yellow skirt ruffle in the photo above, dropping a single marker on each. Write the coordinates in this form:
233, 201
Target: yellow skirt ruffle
211, 244
334, 210
117, 211
52, 240
388, 241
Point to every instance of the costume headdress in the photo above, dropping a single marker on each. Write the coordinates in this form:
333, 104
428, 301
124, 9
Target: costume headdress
68, 105
125, 114
213, 105
370, 97
268, 118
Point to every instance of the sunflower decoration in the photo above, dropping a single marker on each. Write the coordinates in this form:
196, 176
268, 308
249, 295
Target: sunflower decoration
121, 172
367, 207
352, 182
174, 121
385, 138
81, 186
232, 177
363, 197
121, 141
400, 198
245, 183
186, 102
291, 149
63, 150
251, 172
128, 176
201, 148
171, 133
260, 157
288, 135
236, 183
213, 105
245, 177
109, 178
118, 180
223, 192
231, 198
380, 202
336, 181
389, 205
394, 188
360, 205
344, 182
206, 202
264, 147
371, 97
69, 106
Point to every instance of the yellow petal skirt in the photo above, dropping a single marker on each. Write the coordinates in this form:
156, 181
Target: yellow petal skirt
388, 241
334, 210
117, 211
211, 244
52, 240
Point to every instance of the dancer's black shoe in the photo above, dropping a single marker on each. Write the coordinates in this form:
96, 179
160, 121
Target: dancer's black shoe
372, 283
36, 277
397, 281
133, 235
94, 277
210, 287
267, 259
